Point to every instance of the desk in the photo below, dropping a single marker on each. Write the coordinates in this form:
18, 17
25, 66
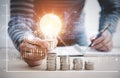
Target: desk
104, 61
105, 67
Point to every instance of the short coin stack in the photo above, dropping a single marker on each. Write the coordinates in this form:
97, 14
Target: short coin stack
51, 61
89, 65
77, 64
64, 63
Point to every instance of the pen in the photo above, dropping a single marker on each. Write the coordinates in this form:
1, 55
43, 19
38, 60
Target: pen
100, 33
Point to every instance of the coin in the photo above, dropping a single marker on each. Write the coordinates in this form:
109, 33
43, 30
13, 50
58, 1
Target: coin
77, 64
51, 61
89, 65
64, 63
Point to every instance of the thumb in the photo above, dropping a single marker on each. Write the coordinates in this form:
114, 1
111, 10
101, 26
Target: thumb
43, 43
92, 38
36, 41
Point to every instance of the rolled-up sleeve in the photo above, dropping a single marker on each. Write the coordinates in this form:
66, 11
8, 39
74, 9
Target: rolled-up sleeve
21, 20
110, 13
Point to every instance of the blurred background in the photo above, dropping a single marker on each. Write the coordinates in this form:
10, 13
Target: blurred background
91, 9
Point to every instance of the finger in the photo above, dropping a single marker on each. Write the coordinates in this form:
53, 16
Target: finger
109, 45
98, 40
97, 46
103, 48
32, 52
37, 41
107, 40
44, 44
26, 46
92, 38
38, 50
33, 56
27, 55
98, 43
106, 47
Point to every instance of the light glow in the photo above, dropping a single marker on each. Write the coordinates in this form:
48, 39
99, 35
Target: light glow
50, 25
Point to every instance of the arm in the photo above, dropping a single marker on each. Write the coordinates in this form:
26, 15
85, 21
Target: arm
110, 13
20, 20
20, 29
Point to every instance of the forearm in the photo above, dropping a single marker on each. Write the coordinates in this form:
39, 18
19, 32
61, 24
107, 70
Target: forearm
111, 19
21, 20
17, 29
110, 13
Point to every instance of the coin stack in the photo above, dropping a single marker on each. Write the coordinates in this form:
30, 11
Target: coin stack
51, 61
77, 64
89, 65
64, 63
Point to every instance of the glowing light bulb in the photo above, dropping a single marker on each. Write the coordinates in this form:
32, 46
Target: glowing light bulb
50, 26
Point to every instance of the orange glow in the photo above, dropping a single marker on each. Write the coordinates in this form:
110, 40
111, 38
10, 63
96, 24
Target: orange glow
50, 25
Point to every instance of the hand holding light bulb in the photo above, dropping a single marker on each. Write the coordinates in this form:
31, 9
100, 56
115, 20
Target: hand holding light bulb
33, 49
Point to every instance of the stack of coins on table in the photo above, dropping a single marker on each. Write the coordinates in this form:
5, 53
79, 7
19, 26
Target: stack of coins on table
64, 63
89, 65
77, 64
51, 61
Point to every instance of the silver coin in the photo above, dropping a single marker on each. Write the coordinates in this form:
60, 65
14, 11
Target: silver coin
89, 65
77, 61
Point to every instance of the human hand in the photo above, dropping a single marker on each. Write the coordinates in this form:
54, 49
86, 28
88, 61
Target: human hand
34, 51
103, 43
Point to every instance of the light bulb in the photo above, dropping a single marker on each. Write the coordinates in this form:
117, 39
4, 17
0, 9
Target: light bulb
50, 25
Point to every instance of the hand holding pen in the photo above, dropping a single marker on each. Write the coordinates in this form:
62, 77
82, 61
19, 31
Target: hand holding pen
103, 41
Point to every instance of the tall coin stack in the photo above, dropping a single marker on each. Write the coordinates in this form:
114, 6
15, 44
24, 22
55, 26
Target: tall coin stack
64, 63
51, 61
77, 64
89, 65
